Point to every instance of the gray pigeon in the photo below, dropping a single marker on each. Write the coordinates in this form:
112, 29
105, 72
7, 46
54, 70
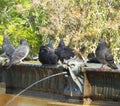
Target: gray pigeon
20, 53
104, 55
64, 52
7, 48
47, 54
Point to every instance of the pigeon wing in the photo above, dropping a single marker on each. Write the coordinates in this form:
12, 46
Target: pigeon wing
20, 53
109, 59
8, 49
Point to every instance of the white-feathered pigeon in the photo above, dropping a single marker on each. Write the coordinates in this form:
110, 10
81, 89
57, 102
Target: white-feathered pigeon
104, 55
7, 48
20, 53
47, 54
64, 52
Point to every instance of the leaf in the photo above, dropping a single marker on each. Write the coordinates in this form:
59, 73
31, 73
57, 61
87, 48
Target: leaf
1, 39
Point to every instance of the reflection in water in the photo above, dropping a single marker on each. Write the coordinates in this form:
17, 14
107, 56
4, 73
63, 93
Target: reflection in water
54, 75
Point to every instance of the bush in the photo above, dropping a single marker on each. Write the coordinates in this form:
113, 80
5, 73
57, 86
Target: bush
80, 22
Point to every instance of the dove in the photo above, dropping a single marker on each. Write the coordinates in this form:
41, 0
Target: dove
92, 58
7, 48
47, 54
20, 53
64, 52
104, 55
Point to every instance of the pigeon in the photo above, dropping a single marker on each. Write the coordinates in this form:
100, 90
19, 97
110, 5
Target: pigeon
20, 53
47, 54
64, 52
104, 55
7, 48
92, 58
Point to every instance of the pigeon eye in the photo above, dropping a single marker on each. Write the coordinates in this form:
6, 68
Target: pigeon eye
72, 65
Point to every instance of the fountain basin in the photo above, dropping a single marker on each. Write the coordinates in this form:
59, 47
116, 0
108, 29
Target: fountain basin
100, 88
34, 101
31, 101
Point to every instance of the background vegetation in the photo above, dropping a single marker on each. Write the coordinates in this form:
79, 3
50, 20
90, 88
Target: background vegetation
80, 22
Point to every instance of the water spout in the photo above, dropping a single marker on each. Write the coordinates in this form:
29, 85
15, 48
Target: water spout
54, 75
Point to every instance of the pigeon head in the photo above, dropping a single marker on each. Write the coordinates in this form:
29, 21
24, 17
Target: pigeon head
23, 41
102, 41
44, 49
61, 44
6, 39
50, 44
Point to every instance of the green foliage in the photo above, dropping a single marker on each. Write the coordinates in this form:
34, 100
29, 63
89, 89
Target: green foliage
80, 22
21, 20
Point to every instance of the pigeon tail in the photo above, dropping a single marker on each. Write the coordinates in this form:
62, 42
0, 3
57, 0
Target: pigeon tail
113, 66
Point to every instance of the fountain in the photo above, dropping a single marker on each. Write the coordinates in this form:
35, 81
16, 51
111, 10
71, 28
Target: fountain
9, 102
80, 86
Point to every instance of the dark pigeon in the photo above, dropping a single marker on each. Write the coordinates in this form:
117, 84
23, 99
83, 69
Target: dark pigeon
7, 48
20, 53
104, 55
47, 54
64, 52
92, 58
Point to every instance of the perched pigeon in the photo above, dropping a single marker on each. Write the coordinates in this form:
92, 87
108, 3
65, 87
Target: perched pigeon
92, 58
64, 52
47, 54
20, 53
104, 55
7, 48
